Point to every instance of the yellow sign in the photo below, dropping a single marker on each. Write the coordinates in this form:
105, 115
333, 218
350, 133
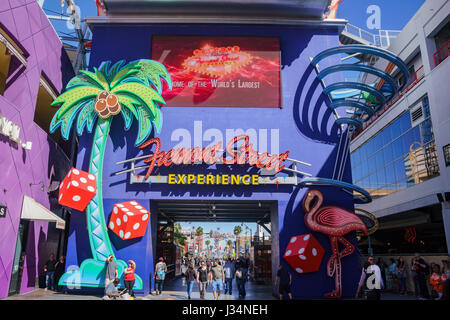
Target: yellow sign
214, 179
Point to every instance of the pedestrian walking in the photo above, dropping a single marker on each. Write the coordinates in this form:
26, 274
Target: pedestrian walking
401, 274
160, 275
217, 279
59, 271
241, 277
202, 279
392, 276
111, 270
49, 269
422, 272
229, 276
371, 281
190, 278
284, 278
129, 278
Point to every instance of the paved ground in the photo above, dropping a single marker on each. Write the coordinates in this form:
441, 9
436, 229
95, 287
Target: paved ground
174, 290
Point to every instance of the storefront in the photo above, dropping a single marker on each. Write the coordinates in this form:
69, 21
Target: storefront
242, 88
34, 68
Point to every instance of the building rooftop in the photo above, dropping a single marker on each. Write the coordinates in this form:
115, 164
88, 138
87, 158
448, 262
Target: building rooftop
310, 9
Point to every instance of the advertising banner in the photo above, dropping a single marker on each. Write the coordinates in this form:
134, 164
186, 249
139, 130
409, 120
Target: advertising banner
220, 71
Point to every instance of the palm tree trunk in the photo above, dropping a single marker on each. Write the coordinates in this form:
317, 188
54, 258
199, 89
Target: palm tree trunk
98, 233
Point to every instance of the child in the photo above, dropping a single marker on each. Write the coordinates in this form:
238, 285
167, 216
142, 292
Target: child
437, 280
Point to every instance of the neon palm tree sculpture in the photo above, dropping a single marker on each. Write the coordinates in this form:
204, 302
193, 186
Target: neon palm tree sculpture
134, 90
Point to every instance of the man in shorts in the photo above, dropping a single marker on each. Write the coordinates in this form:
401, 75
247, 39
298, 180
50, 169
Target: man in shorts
285, 279
217, 279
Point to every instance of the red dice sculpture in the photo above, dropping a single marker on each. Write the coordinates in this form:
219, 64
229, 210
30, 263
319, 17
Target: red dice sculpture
304, 254
129, 220
77, 189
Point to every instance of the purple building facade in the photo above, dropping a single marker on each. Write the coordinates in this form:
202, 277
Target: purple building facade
37, 62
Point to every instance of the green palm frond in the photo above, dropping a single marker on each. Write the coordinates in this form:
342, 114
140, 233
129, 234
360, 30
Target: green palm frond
87, 117
76, 95
125, 73
153, 71
94, 77
140, 92
82, 80
66, 120
127, 117
137, 85
101, 78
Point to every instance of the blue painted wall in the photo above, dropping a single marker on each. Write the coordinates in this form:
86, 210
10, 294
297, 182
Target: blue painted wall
305, 125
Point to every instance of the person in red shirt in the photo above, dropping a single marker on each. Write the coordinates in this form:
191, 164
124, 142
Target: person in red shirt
129, 277
437, 280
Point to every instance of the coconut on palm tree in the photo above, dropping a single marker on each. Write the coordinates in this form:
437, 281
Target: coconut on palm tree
134, 91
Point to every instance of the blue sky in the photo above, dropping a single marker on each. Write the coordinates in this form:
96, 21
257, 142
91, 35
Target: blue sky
394, 15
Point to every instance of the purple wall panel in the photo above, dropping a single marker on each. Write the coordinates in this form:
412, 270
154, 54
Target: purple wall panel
26, 22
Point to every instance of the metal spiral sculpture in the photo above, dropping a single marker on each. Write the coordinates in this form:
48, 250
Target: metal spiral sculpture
334, 221
363, 111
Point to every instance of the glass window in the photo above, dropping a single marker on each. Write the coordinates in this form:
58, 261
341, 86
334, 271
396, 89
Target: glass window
426, 129
386, 137
378, 143
407, 141
395, 129
364, 168
426, 107
447, 155
359, 173
356, 158
372, 164
416, 134
405, 122
401, 185
381, 178
353, 160
371, 180
379, 158
388, 154
390, 174
363, 153
400, 170
370, 148
397, 148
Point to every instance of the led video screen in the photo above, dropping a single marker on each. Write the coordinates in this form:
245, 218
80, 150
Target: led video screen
221, 71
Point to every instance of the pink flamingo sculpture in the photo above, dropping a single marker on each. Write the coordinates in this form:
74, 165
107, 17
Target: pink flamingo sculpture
334, 222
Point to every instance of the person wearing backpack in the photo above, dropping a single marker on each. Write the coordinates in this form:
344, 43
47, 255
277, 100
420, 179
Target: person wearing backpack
371, 281
160, 275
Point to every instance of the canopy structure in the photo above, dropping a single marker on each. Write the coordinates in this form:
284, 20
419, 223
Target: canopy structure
34, 211
362, 101
307, 9
375, 96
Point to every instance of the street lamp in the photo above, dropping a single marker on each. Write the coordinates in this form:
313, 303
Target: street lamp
251, 233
